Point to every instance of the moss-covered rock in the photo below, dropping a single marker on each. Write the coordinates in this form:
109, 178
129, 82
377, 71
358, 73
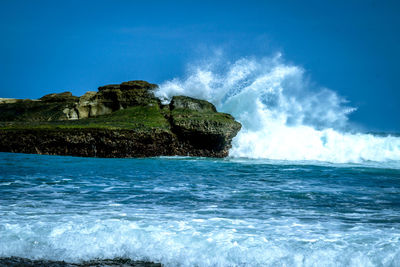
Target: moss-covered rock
35, 110
130, 85
192, 104
198, 125
60, 97
138, 85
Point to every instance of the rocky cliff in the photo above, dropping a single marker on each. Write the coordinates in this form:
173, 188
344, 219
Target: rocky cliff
120, 120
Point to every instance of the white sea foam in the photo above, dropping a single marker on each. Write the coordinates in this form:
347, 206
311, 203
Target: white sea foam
202, 243
284, 116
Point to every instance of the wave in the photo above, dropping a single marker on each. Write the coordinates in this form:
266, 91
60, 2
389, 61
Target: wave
285, 116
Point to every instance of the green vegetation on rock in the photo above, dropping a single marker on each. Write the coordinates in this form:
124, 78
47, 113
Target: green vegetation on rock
33, 111
132, 118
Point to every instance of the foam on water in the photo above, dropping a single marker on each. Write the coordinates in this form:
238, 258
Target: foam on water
284, 116
203, 242
198, 212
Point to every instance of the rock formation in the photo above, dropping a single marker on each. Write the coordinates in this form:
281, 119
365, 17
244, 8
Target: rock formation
120, 120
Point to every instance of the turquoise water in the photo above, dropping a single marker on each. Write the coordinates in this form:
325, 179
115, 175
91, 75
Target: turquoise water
200, 212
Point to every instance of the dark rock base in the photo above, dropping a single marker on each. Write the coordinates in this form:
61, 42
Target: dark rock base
105, 143
22, 262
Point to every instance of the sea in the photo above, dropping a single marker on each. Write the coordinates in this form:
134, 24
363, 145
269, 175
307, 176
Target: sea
183, 211
302, 186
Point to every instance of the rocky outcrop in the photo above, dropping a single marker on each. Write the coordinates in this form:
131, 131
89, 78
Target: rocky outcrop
123, 120
198, 125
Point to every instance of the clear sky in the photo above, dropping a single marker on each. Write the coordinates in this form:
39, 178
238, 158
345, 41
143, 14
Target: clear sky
352, 47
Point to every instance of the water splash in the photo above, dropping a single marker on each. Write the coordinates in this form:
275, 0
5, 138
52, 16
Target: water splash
284, 115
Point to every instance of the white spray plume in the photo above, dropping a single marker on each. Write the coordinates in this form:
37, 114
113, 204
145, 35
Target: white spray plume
283, 115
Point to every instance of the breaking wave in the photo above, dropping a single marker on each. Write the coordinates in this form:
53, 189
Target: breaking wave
284, 115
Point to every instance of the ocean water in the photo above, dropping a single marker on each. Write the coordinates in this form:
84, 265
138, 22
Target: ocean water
183, 211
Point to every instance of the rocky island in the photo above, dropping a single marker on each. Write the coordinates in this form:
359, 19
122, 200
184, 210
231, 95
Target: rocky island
119, 120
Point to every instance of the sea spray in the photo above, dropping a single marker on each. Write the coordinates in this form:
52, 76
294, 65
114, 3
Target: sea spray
284, 115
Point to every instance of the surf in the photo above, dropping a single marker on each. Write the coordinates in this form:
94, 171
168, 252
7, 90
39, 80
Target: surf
285, 116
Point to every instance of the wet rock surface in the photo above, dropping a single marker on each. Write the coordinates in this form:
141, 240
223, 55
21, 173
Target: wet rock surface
22, 262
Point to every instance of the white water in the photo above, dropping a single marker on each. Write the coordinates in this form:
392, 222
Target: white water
284, 116
202, 242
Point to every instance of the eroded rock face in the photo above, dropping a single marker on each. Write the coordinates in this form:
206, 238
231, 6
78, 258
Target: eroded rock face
114, 97
90, 105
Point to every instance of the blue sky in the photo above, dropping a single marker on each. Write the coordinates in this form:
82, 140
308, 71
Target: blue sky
352, 47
